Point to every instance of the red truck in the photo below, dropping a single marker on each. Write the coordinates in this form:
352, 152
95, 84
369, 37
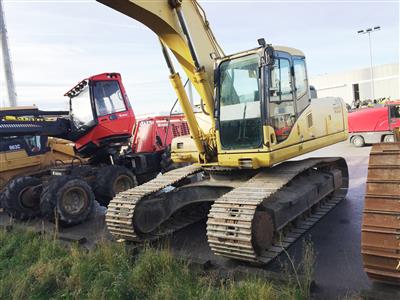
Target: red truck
374, 125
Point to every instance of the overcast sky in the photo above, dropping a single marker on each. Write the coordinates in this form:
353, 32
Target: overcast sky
56, 43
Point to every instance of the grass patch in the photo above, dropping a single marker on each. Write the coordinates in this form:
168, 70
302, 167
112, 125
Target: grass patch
38, 267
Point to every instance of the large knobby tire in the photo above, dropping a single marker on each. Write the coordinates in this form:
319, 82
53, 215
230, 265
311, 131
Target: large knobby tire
358, 141
112, 180
68, 199
20, 199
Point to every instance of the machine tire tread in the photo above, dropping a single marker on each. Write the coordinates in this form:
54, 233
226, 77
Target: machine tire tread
11, 203
103, 186
50, 205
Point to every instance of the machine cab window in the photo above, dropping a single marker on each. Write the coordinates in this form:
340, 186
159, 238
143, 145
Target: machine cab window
300, 77
239, 103
395, 111
301, 84
35, 144
281, 106
108, 97
81, 107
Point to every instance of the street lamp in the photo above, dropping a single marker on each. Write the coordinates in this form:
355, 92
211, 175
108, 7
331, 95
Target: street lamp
365, 31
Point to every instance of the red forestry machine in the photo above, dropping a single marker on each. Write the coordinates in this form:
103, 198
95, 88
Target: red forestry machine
114, 152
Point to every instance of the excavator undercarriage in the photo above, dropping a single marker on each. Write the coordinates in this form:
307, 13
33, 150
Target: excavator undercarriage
252, 215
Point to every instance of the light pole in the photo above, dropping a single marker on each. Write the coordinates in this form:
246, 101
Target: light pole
364, 31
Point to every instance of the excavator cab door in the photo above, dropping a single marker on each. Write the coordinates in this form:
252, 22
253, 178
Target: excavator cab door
280, 105
239, 103
301, 87
111, 109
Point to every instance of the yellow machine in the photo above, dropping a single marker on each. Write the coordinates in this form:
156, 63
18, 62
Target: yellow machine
30, 154
22, 160
261, 114
19, 160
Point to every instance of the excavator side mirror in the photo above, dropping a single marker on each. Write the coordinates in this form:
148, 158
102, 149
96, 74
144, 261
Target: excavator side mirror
269, 54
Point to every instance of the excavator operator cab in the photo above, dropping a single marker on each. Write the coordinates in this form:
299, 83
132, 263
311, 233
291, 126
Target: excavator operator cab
100, 113
264, 86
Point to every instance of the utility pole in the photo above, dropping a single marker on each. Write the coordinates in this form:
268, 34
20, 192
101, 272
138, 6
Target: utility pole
12, 95
369, 30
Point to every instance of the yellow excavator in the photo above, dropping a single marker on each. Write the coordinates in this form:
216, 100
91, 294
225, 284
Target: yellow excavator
256, 200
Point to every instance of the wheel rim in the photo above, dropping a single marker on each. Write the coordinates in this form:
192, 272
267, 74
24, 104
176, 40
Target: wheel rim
389, 139
28, 198
75, 200
357, 142
122, 183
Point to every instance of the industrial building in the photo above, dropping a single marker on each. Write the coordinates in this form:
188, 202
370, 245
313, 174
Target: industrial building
357, 84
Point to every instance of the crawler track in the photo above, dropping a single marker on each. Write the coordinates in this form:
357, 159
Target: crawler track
235, 213
232, 217
380, 239
119, 216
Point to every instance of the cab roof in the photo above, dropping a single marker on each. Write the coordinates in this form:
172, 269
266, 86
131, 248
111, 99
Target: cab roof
291, 51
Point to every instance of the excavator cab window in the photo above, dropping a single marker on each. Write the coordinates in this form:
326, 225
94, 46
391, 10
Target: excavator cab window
108, 97
239, 103
281, 108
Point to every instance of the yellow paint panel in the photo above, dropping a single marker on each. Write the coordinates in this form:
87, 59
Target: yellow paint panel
17, 160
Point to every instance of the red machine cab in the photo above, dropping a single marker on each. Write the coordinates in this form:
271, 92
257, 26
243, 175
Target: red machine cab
100, 113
